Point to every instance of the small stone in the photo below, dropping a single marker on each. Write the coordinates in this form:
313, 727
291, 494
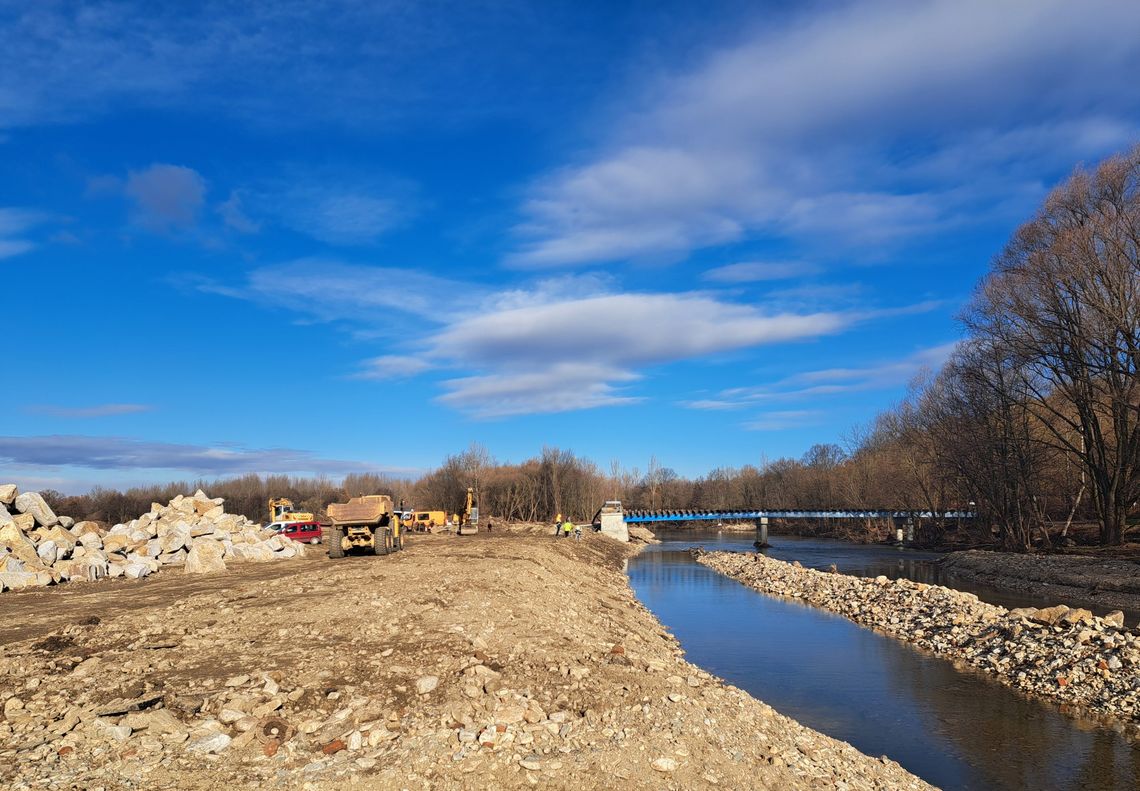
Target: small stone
334, 747
237, 681
664, 765
1115, 618
531, 763
425, 684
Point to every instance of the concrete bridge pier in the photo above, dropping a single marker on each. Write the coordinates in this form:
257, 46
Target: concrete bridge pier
762, 533
904, 530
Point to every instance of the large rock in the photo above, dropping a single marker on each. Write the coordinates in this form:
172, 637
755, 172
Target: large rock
18, 544
5, 517
32, 503
18, 580
25, 522
1050, 615
205, 557
8, 493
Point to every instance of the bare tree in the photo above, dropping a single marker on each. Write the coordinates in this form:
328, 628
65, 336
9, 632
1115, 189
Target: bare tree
1064, 297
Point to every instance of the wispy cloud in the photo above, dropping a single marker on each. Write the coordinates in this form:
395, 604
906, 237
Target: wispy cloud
393, 366
756, 271
829, 381
782, 420
97, 410
325, 289
123, 453
727, 151
14, 226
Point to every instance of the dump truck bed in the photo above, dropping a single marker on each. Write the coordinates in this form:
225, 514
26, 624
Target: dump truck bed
361, 510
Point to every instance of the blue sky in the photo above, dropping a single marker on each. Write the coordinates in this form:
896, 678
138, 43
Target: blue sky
276, 238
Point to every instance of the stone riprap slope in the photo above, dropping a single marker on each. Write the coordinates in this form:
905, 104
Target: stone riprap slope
1067, 655
38, 548
1107, 582
479, 662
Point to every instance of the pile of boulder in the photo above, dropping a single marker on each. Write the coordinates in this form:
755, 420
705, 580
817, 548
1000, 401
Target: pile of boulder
38, 548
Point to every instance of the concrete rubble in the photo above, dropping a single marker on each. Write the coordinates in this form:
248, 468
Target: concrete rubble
39, 548
1063, 654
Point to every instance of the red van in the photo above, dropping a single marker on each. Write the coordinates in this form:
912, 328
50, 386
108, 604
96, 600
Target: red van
305, 532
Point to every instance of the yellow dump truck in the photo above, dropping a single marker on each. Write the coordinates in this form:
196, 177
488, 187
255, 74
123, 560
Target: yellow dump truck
368, 524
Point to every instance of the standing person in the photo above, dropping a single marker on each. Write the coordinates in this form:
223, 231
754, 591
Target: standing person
567, 526
558, 525
577, 532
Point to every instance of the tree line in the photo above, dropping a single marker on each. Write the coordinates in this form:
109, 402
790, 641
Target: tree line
1034, 421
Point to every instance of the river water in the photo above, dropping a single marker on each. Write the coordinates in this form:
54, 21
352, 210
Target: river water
958, 730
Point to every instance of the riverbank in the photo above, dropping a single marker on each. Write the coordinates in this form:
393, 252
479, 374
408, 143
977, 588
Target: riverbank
1109, 583
1068, 656
485, 661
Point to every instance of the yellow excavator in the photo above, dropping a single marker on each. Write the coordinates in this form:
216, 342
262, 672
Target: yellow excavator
281, 510
468, 524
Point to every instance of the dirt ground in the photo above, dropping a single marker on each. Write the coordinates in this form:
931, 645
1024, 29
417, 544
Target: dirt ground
501, 660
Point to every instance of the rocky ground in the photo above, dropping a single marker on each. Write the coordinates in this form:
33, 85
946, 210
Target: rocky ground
1108, 582
484, 661
1062, 654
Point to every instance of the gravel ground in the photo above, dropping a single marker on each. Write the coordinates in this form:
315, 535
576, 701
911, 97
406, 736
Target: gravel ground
1066, 655
486, 661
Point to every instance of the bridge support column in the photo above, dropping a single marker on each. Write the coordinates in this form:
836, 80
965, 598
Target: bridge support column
898, 530
910, 529
762, 532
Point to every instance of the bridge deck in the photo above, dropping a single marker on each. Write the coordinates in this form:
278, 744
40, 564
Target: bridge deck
642, 516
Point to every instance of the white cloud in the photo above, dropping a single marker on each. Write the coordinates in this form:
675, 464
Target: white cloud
562, 387
802, 131
166, 197
14, 225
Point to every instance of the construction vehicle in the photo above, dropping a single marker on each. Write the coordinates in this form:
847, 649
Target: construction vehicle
281, 510
426, 521
366, 523
468, 524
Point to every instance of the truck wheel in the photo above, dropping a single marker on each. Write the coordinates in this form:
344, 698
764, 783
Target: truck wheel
380, 541
332, 537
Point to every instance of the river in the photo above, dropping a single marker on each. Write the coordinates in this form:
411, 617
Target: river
956, 729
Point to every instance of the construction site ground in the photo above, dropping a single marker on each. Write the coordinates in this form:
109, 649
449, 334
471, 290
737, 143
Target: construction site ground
489, 661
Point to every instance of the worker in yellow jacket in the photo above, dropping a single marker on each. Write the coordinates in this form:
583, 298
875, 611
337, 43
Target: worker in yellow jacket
567, 528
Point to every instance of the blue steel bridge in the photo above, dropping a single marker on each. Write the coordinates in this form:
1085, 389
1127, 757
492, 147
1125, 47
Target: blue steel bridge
638, 516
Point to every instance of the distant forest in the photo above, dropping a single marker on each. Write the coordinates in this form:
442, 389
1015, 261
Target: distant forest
1034, 420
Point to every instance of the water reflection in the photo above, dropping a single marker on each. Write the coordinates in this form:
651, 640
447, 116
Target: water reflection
958, 730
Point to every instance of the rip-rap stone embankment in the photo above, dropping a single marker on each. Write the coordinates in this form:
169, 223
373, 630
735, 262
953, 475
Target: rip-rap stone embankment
38, 548
488, 661
1066, 655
